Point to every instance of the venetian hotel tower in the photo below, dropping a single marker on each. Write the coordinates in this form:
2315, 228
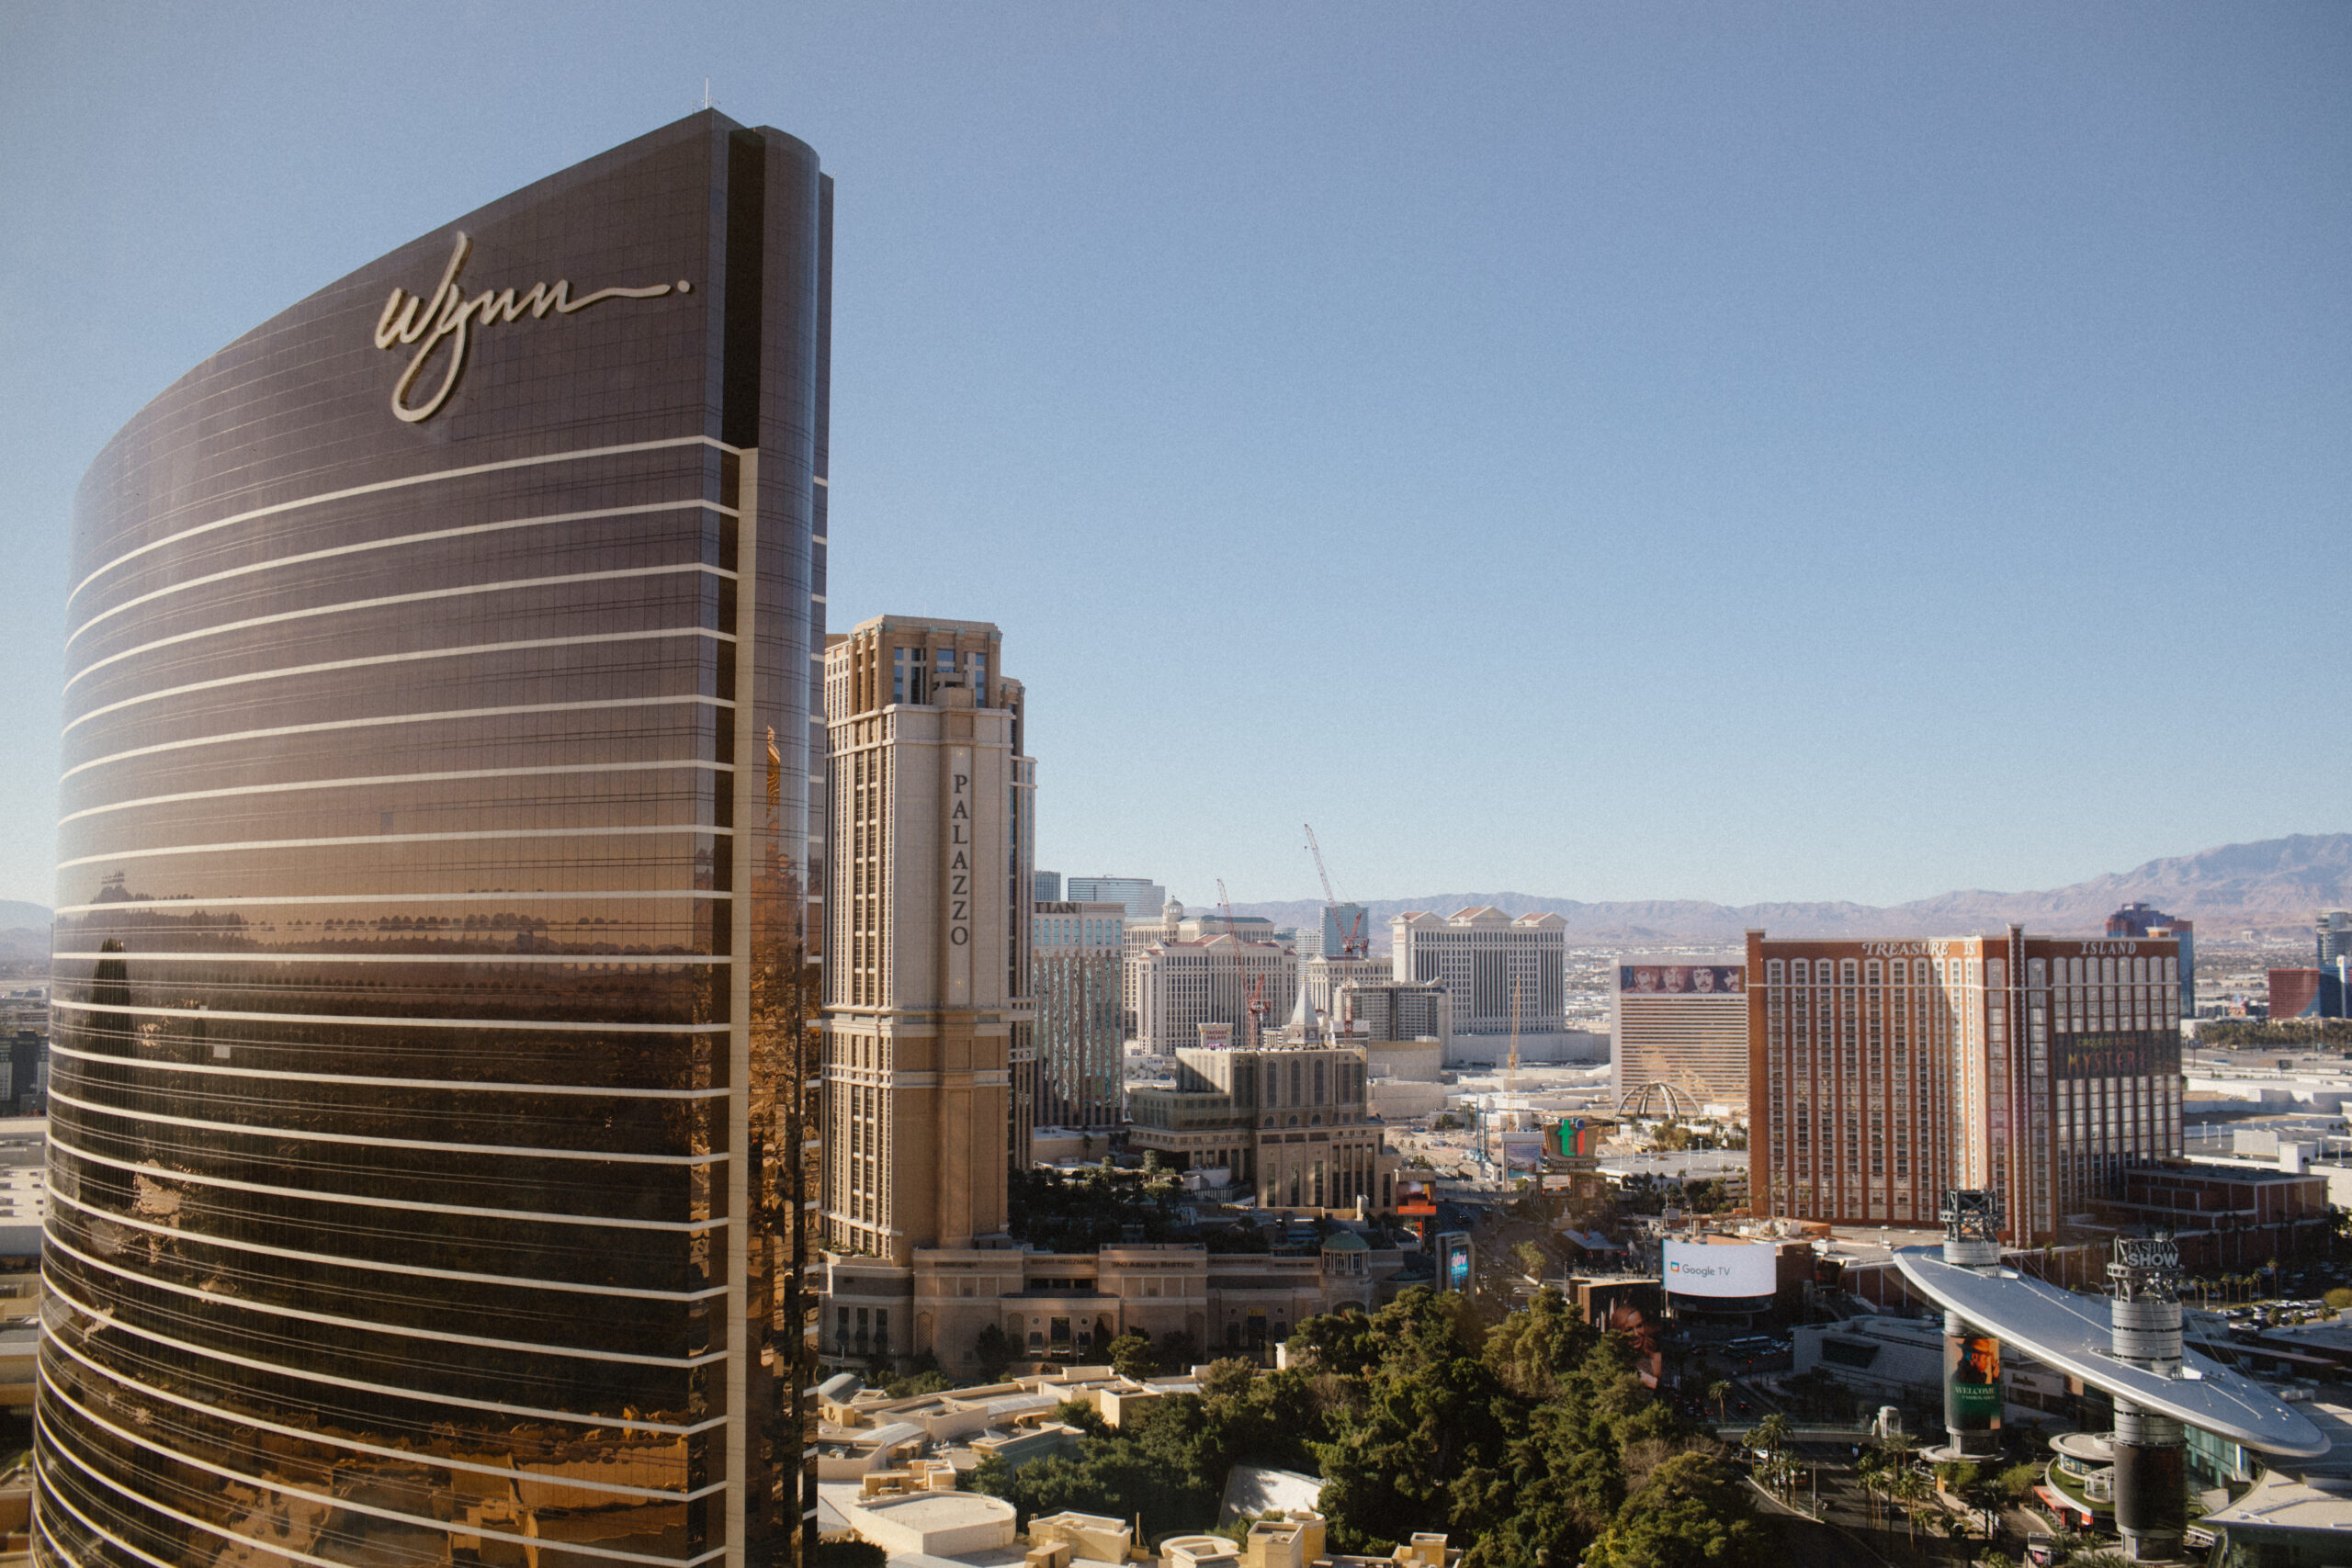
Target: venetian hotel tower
429, 1139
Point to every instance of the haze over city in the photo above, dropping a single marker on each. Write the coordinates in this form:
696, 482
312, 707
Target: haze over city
739, 733
1606, 452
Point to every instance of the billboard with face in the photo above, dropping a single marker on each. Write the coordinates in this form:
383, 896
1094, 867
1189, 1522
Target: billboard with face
1623, 1317
1972, 1382
1682, 979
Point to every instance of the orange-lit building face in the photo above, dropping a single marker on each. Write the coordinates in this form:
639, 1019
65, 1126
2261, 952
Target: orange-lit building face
1882, 1073
430, 1137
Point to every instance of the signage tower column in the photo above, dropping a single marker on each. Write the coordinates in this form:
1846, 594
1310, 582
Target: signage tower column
1972, 1355
2149, 1448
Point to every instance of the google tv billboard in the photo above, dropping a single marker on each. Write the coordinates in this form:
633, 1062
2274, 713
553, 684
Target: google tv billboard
1733, 1276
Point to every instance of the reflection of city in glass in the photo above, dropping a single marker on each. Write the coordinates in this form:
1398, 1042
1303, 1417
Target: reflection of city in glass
429, 1051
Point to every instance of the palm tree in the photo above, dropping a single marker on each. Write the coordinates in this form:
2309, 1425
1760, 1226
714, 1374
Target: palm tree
1883, 1468
1952, 1529
1914, 1493
2091, 1556
1872, 1473
1719, 1390
1770, 1436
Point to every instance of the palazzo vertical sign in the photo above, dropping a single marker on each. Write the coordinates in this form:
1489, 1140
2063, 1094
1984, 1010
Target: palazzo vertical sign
959, 876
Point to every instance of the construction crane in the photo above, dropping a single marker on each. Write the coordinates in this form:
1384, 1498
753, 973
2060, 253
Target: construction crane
1352, 944
1511, 1074
1511, 1092
1256, 1006
1316, 851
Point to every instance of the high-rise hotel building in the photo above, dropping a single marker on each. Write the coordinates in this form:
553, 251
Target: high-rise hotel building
428, 1141
1074, 975
1506, 976
1142, 897
928, 1096
1681, 1028
1182, 984
1883, 1073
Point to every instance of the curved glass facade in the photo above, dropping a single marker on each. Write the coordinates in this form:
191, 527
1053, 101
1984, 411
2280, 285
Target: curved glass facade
430, 1061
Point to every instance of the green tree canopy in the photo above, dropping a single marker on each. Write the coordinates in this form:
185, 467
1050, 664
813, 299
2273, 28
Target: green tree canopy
1691, 1512
1530, 1445
1131, 1356
995, 1350
1167, 1462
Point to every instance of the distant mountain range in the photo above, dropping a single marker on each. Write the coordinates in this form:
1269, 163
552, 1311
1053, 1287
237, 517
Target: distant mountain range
2272, 886
2269, 887
24, 932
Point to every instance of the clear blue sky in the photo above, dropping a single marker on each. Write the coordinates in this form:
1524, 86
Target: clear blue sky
1602, 450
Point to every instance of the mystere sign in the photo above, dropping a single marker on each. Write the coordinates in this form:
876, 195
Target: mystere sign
2137, 1054
426, 322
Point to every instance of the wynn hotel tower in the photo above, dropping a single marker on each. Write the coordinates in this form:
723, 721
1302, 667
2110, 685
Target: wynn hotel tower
431, 1120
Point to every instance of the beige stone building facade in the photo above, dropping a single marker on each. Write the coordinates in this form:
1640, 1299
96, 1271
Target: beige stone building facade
1182, 985
1503, 973
927, 1014
1290, 1121
1059, 1305
1325, 975
1171, 922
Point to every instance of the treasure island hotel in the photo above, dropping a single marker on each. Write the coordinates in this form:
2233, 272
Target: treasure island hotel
429, 1139
1883, 1073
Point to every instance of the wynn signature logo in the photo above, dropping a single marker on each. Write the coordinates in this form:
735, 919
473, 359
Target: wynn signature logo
446, 319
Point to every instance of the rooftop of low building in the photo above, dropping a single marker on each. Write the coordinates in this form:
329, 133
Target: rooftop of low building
2287, 1502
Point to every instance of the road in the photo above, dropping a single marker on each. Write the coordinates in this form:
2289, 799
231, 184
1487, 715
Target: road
1828, 1541
1844, 1536
1847, 1534
2015, 1524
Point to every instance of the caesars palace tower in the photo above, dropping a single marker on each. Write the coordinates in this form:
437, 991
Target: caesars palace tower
432, 1043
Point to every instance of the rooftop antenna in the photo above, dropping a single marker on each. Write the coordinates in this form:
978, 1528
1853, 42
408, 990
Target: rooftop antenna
708, 101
